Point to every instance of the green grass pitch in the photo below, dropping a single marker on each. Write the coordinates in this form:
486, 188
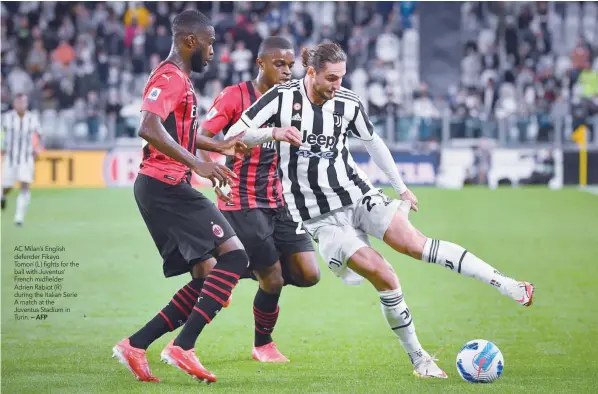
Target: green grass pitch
334, 335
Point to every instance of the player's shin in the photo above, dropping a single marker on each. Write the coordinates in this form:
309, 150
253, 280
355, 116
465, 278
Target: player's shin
22, 204
171, 317
215, 292
458, 259
399, 320
265, 314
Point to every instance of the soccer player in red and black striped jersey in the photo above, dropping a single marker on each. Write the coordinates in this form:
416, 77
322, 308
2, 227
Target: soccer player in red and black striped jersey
189, 231
279, 250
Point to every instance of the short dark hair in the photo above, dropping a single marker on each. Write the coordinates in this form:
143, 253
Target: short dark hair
326, 52
274, 42
189, 21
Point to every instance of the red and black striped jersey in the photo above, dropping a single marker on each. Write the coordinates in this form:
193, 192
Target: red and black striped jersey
258, 185
169, 93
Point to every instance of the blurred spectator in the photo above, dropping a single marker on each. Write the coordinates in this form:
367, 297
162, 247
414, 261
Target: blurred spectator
19, 81
64, 53
93, 111
37, 59
241, 59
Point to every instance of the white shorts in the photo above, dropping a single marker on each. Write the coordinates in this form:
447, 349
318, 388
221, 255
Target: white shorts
343, 232
12, 174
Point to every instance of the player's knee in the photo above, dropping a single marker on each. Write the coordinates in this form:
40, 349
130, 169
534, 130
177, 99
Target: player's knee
403, 237
310, 277
201, 268
270, 278
235, 261
229, 245
372, 266
307, 271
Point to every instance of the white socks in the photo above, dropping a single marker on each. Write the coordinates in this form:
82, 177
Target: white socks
457, 259
22, 203
400, 322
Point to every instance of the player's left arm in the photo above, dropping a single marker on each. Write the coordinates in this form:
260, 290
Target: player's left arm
363, 129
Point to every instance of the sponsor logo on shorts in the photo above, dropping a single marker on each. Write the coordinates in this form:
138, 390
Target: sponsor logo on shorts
217, 230
335, 262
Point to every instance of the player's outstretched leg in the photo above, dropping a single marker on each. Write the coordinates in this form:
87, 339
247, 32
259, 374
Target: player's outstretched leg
131, 351
404, 238
372, 266
265, 314
232, 261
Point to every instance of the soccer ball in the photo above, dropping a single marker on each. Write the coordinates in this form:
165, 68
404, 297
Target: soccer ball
480, 361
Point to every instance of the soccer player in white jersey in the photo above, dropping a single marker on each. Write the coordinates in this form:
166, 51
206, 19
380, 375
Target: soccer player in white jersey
21, 129
338, 205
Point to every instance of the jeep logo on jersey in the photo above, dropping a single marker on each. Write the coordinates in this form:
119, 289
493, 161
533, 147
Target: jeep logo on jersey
325, 141
320, 155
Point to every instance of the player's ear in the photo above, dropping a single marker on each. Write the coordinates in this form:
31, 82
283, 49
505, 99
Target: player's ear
260, 63
311, 71
192, 41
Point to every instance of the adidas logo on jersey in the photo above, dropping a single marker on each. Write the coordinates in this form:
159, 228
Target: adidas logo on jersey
297, 118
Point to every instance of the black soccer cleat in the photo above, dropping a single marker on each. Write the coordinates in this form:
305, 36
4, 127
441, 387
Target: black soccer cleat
3, 204
19, 224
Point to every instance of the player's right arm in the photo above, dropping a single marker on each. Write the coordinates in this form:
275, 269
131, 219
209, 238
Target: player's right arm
258, 114
163, 96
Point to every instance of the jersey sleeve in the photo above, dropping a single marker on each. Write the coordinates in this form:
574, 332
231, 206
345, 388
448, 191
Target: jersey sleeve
262, 110
360, 125
36, 125
163, 94
223, 111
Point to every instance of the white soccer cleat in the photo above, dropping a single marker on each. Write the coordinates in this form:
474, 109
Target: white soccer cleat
522, 292
425, 367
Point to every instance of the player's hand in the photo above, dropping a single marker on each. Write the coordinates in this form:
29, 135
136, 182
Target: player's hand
409, 196
234, 145
226, 196
217, 173
287, 134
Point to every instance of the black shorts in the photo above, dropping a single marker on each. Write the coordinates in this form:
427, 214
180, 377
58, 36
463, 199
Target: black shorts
268, 235
185, 225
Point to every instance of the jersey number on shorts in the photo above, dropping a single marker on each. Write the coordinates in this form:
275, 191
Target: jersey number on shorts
367, 201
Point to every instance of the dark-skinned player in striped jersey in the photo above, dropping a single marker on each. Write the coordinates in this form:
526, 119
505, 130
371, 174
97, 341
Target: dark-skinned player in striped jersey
280, 251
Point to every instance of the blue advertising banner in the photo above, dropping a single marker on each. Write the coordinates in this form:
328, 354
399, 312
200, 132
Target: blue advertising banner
415, 168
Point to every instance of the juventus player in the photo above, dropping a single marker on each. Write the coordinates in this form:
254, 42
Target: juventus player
19, 151
339, 206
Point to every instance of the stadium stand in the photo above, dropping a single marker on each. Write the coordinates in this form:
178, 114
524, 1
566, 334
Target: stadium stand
528, 72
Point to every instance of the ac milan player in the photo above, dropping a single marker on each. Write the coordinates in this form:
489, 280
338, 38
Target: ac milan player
186, 227
255, 207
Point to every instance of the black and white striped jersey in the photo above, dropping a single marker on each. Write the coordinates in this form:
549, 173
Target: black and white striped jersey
18, 137
321, 175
